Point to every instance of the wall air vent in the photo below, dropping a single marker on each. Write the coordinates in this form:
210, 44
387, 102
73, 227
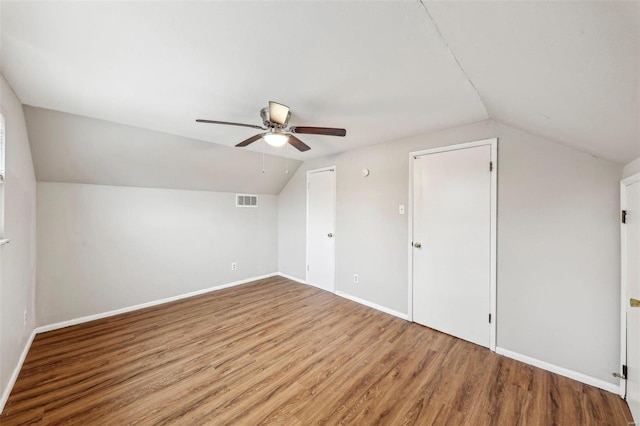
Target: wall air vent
246, 200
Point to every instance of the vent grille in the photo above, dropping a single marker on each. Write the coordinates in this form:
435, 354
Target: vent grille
246, 200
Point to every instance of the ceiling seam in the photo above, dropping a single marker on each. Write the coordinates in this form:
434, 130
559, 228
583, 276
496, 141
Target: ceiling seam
446, 43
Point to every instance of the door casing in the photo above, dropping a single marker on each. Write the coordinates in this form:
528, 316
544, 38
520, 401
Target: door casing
624, 296
493, 224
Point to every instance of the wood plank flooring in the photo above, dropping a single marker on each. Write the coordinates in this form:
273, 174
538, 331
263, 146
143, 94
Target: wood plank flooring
278, 352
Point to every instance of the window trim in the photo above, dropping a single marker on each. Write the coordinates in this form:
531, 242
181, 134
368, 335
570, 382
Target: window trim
3, 147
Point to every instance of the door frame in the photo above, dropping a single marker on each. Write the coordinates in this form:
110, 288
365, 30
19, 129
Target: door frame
624, 297
493, 143
332, 169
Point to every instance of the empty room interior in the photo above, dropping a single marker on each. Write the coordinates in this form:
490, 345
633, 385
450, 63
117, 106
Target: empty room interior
320, 212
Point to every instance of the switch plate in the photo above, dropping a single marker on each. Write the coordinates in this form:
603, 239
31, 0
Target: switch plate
401, 209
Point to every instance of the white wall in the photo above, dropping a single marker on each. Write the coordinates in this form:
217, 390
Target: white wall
558, 255
632, 168
371, 237
558, 240
17, 259
102, 248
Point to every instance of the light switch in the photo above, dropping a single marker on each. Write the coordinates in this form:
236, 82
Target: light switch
401, 209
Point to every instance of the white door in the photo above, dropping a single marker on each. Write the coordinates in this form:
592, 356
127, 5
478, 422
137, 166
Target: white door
632, 229
452, 242
321, 199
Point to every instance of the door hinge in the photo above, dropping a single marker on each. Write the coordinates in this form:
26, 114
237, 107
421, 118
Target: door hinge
490, 166
622, 376
489, 318
624, 216
307, 267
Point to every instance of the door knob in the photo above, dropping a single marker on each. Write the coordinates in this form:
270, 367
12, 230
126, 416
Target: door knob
635, 303
330, 235
417, 245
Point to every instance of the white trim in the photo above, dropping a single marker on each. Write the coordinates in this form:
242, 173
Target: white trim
306, 234
455, 147
493, 143
624, 183
580, 377
16, 372
493, 292
321, 169
353, 298
631, 179
291, 277
372, 305
623, 287
410, 241
88, 318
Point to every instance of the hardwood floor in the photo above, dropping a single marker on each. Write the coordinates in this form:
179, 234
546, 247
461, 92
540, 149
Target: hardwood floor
278, 352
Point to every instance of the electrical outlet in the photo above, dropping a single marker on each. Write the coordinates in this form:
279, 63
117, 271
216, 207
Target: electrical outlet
401, 209
355, 278
25, 317
234, 266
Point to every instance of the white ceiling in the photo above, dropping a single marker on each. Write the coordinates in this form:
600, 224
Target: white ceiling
377, 69
75, 149
565, 70
382, 70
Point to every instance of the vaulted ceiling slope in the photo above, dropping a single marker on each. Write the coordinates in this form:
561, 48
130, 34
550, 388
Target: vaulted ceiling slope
569, 71
76, 149
378, 69
382, 70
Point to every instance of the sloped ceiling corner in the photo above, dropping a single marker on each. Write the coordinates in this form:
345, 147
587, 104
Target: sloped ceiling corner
75, 149
568, 71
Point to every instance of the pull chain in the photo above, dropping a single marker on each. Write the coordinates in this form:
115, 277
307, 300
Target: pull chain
286, 158
263, 155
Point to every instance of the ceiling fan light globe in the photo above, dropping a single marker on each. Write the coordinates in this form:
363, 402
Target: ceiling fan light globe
276, 139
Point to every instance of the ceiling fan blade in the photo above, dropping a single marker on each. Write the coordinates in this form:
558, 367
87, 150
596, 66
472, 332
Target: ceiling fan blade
298, 144
278, 113
229, 123
327, 131
251, 140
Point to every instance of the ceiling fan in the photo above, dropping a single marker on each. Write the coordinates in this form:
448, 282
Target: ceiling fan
275, 119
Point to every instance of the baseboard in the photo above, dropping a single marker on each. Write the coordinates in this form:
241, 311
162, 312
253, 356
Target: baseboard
292, 278
16, 372
355, 299
372, 305
50, 327
580, 377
